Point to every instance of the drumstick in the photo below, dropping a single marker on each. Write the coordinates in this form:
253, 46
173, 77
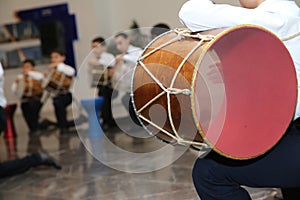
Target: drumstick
45, 97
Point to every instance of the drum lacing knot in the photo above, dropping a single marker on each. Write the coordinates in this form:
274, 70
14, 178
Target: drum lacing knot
200, 146
181, 141
205, 37
184, 32
179, 91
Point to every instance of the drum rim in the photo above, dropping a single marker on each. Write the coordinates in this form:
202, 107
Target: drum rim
192, 97
131, 86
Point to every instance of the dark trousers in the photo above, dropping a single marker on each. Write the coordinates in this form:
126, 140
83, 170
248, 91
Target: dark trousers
31, 109
106, 112
2, 119
218, 178
61, 102
18, 166
127, 102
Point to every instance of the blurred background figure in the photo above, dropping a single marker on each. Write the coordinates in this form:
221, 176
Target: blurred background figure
21, 165
159, 29
28, 87
102, 69
2, 101
124, 65
62, 97
18, 166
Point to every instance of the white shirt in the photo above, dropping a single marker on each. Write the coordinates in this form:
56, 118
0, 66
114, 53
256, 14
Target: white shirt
123, 73
99, 68
2, 97
282, 17
132, 54
107, 59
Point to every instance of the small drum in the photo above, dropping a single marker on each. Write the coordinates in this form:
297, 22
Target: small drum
233, 90
100, 76
58, 82
30, 88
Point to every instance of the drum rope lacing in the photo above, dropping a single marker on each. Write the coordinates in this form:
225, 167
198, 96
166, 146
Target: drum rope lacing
181, 34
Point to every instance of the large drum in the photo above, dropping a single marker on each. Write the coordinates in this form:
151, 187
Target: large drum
100, 76
58, 82
33, 88
29, 87
233, 90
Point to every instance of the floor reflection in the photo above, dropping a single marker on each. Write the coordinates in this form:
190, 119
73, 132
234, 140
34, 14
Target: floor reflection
84, 177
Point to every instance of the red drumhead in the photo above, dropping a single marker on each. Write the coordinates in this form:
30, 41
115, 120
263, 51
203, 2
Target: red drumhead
252, 88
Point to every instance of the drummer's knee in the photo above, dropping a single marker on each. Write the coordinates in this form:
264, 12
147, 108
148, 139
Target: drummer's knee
205, 178
57, 103
203, 172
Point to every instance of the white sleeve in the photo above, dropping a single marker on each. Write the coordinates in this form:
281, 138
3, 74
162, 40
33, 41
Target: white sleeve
133, 56
200, 15
14, 87
66, 69
36, 75
108, 60
1, 70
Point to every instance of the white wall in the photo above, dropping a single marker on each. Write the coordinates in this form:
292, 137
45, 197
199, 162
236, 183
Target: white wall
99, 17
105, 17
102, 17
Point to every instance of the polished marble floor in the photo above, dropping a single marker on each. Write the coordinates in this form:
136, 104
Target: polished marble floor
84, 177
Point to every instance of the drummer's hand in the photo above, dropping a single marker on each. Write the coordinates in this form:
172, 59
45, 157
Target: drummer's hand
119, 58
19, 77
49, 68
52, 65
111, 72
214, 73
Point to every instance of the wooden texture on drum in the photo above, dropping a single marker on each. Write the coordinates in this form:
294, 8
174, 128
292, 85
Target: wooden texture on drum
32, 88
100, 76
163, 65
58, 82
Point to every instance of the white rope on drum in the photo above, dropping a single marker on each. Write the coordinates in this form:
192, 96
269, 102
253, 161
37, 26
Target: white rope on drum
179, 37
172, 91
290, 37
158, 127
172, 84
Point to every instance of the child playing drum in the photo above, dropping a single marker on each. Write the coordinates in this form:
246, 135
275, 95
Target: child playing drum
28, 86
62, 97
102, 69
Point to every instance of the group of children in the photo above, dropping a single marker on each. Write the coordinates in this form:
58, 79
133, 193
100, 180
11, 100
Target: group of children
118, 70
31, 103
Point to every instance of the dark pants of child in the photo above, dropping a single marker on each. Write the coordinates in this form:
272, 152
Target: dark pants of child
106, 112
31, 109
18, 166
61, 102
